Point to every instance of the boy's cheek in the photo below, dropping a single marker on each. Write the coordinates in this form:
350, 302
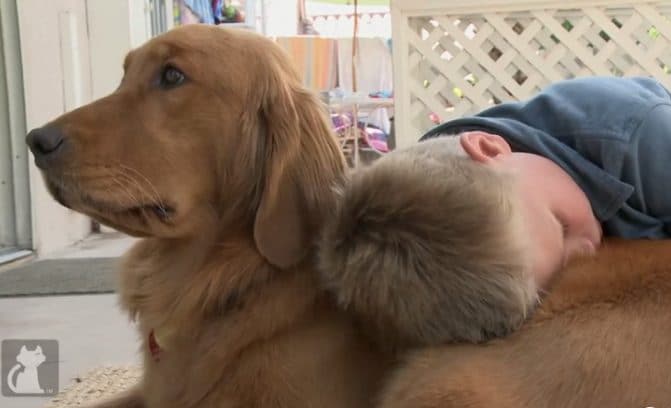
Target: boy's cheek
547, 262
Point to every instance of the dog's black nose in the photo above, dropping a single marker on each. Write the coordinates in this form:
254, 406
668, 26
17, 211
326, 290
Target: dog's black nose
45, 141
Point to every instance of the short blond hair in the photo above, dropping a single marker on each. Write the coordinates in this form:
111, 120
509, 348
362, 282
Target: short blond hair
425, 248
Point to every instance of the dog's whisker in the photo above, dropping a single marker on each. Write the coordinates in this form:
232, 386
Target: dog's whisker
157, 205
152, 187
131, 196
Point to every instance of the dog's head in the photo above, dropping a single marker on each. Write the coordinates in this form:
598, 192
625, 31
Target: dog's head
209, 127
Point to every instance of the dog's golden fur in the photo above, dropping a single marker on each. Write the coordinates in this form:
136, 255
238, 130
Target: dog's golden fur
601, 339
226, 175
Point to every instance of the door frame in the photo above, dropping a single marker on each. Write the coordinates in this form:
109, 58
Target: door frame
17, 217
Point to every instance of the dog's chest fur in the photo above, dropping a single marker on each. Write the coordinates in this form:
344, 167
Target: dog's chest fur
233, 331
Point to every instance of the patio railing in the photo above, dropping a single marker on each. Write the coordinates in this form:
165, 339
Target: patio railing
371, 24
458, 57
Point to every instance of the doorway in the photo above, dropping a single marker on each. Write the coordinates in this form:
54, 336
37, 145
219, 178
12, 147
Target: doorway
15, 222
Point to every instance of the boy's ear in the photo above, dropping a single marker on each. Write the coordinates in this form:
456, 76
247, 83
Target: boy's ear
484, 147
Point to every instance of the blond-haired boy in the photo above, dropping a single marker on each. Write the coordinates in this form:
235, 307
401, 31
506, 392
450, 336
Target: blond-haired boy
456, 237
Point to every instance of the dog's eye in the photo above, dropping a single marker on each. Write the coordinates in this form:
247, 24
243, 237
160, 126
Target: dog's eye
171, 77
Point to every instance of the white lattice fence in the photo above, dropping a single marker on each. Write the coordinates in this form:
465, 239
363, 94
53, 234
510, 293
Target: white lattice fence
453, 58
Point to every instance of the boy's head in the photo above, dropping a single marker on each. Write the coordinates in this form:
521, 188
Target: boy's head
557, 217
440, 242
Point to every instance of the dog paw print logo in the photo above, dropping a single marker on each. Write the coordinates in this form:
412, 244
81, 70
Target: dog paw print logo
29, 368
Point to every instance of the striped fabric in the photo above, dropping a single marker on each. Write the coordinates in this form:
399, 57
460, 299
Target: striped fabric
315, 59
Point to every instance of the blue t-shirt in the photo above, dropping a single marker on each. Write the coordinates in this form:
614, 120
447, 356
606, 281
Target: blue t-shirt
612, 135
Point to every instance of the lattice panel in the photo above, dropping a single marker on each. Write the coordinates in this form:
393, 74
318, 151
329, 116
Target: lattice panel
460, 64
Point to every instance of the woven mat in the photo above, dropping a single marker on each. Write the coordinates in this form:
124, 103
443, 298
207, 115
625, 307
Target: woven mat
102, 382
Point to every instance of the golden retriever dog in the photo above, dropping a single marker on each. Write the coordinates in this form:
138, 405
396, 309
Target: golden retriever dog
213, 152
600, 339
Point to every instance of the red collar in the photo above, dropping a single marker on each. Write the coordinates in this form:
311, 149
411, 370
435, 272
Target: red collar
154, 347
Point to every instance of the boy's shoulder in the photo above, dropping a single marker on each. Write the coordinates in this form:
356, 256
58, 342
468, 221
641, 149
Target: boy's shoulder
611, 135
590, 107
625, 88
595, 105
571, 110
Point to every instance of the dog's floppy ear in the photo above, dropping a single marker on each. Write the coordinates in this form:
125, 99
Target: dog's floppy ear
302, 163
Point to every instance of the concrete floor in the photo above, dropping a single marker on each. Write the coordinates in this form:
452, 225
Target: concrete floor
90, 329
103, 245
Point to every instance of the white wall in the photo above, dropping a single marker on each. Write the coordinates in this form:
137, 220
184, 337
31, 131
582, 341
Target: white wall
280, 18
115, 27
69, 61
106, 54
137, 22
55, 61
